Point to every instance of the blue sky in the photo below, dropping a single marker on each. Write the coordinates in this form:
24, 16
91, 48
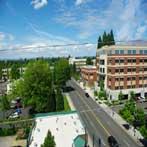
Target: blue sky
30, 23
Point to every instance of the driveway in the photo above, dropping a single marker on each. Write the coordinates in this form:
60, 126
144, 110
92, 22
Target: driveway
6, 141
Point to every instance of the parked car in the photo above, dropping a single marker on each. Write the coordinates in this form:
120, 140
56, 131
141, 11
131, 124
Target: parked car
86, 94
14, 115
141, 99
112, 142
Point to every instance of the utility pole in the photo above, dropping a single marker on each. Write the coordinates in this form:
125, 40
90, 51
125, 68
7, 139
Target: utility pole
99, 142
93, 140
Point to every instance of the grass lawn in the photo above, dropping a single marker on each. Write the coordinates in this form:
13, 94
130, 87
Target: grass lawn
66, 105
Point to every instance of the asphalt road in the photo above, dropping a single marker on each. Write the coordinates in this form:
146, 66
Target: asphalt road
97, 122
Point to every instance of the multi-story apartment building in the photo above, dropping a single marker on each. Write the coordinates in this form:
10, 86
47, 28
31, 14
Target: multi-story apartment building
123, 68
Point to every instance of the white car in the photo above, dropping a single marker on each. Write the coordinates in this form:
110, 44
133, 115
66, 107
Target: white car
141, 99
14, 115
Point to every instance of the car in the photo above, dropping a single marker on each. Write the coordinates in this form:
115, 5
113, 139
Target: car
141, 99
136, 99
112, 142
86, 94
14, 115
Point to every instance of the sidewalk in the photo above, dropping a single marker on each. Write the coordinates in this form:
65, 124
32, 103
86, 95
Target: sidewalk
116, 117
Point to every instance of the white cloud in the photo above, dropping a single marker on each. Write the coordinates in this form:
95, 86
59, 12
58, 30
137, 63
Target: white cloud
39, 3
140, 31
123, 16
78, 2
6, 36
2, 36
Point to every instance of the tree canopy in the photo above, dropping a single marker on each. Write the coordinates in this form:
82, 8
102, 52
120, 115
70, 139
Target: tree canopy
89, 61
49, 140
62, 72
106, 39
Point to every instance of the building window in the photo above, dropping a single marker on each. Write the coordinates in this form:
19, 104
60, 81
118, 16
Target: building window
134, 51
121, 70
116, 60
116, 51
140, 69
117, 70
129, 51
140, 86
145, 69
145, 78
140, 78
129, 60
121, 79
121, 60
133, 69
133, 78
109, 52
121, 87
134, 60
145, 60
141, 60
128, 78
129, 69
128, 87
116, 79
121, 52
102, 62
145, 51
116, 88
133, 86
141, 51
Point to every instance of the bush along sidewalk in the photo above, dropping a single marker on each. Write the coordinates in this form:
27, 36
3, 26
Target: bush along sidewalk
135, 117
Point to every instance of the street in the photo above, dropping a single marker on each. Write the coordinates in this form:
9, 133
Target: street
97, 122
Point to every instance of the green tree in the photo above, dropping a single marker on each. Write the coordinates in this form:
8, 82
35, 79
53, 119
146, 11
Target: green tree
140, 115
5, 105
120, 96
62, 72
14, 73
132, 95
89, 61
143, 131
112, 38
104, 38
101, 85
49, 140
100, 43
1, 73
37, 86
59, 101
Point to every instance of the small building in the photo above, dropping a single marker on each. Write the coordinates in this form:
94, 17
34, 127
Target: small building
66, 127
89, 74
78, 62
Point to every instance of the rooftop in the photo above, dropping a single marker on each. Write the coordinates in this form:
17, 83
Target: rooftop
65, 127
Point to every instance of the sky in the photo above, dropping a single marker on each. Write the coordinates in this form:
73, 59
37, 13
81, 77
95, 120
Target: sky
33, 23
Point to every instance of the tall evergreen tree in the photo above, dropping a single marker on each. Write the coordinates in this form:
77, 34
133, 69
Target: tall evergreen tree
104, 38
112, 38
59, 101
100, 43
49, 140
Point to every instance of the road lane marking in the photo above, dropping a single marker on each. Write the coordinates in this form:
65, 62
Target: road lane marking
97, 119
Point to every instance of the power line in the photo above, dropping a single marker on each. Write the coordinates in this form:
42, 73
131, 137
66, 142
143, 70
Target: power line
27, 47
